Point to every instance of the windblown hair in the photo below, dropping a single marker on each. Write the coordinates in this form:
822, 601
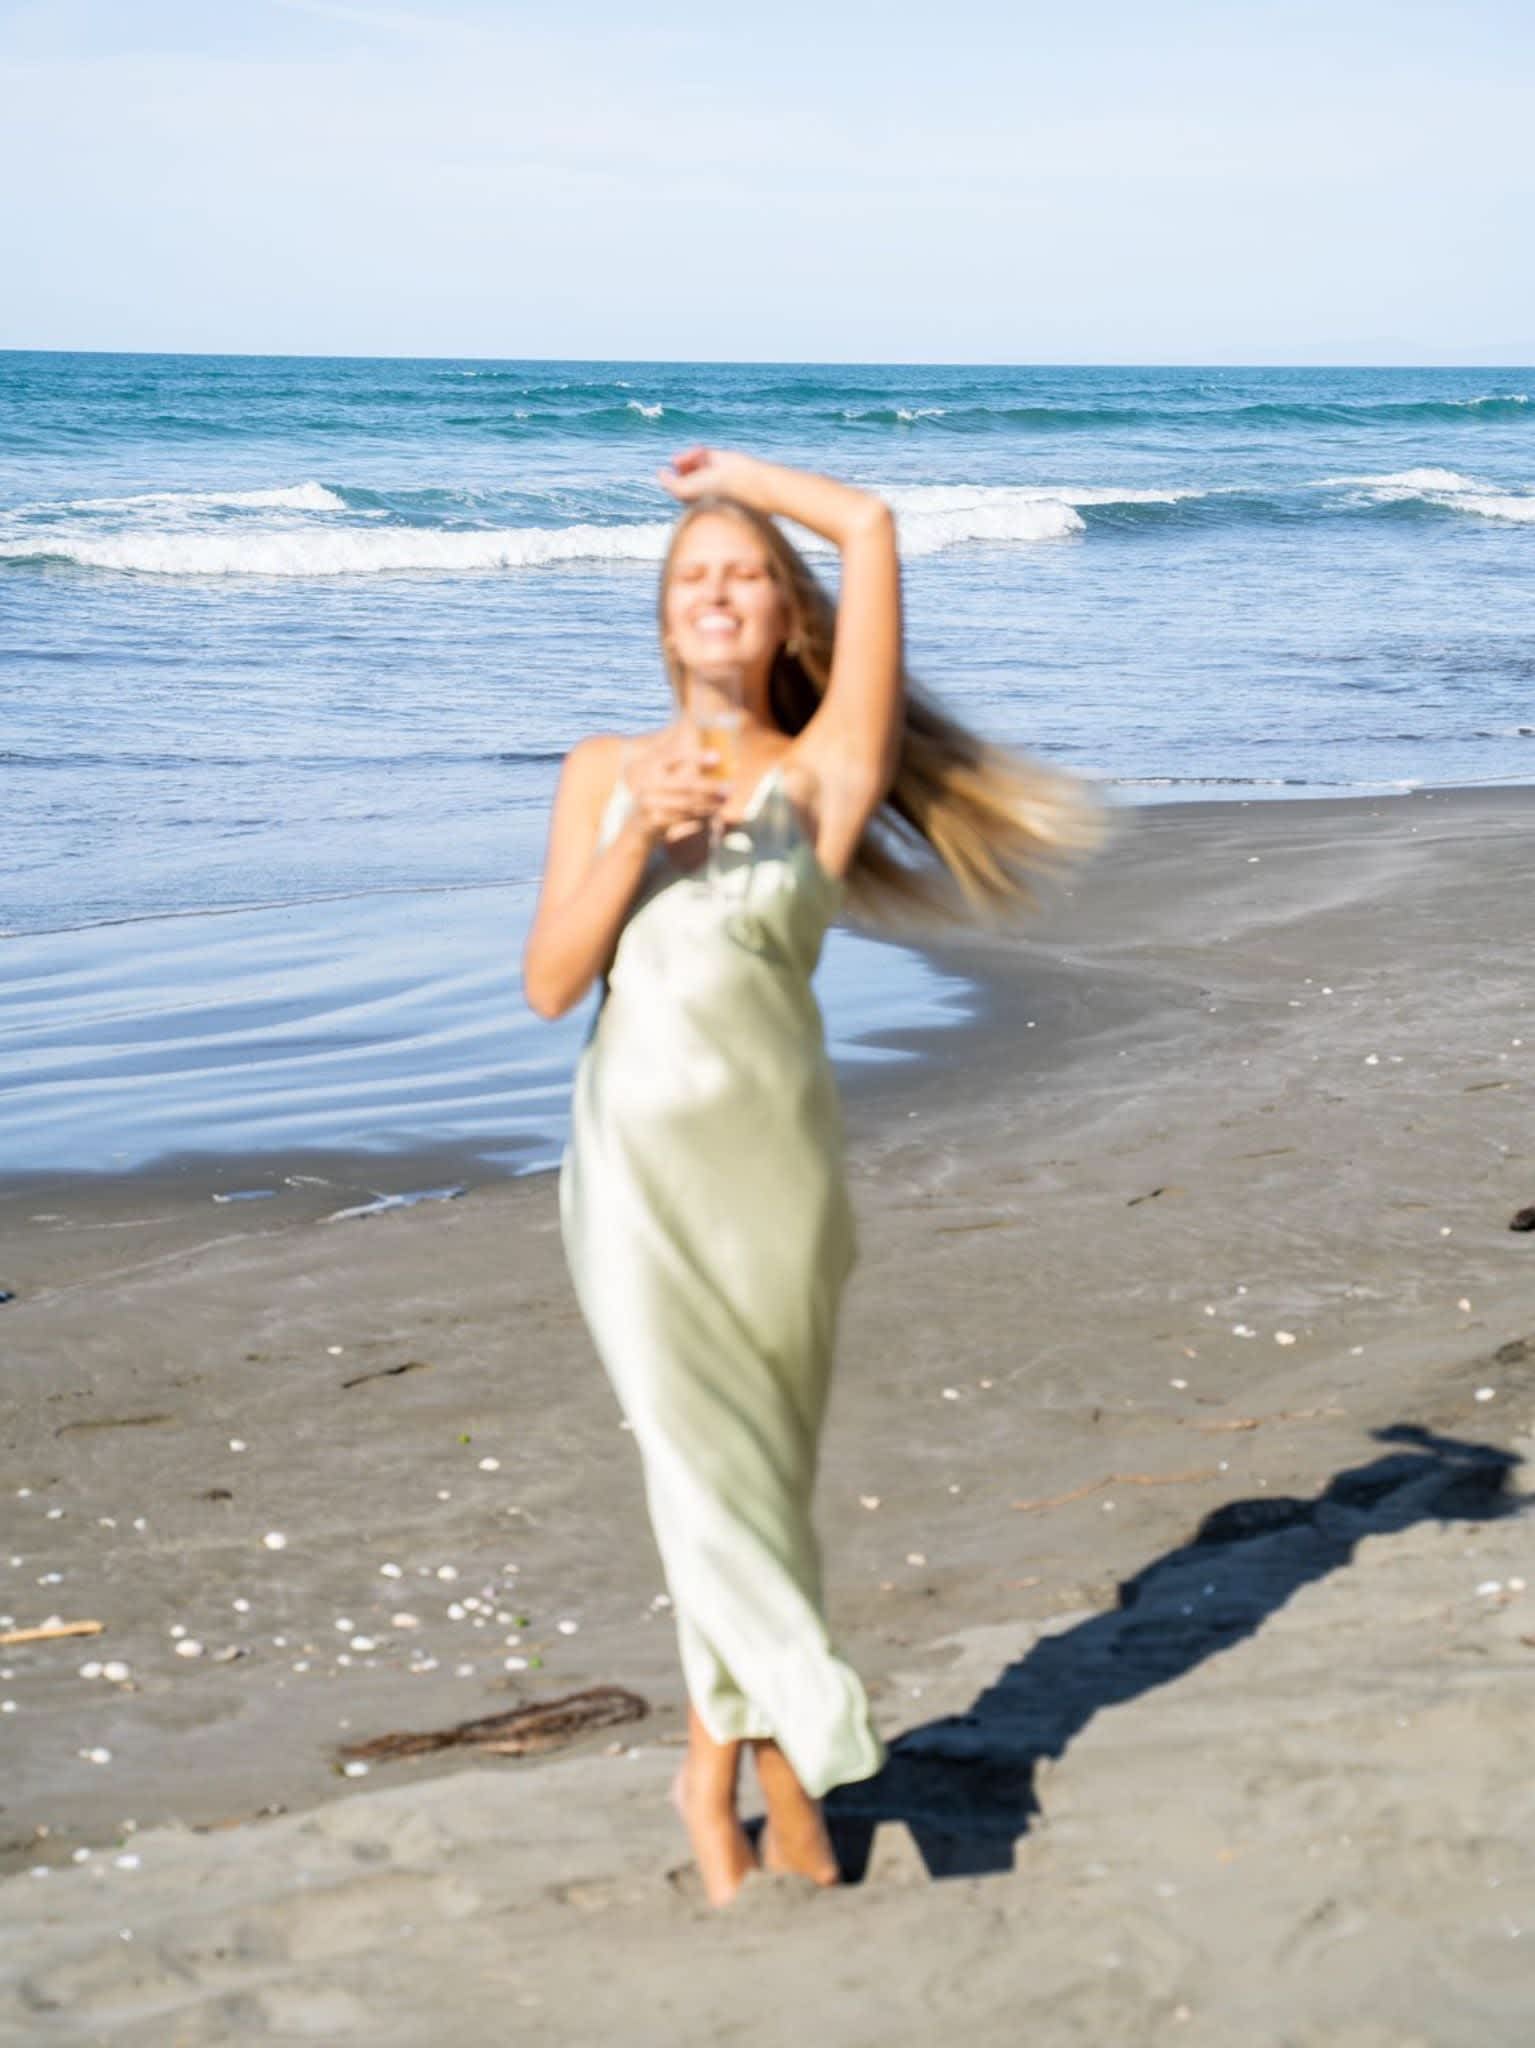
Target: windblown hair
967, 828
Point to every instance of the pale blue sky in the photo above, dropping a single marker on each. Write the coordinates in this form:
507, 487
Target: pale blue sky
1172, 180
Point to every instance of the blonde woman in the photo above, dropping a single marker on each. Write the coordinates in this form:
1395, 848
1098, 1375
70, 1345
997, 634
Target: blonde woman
693, 872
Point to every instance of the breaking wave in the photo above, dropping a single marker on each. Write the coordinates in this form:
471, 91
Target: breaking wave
931, 518
1445, 489
337, 530
308, 497
337, 551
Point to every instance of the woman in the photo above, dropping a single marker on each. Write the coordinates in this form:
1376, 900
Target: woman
703, 1203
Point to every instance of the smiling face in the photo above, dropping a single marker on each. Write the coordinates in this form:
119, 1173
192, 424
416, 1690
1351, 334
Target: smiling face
723, 607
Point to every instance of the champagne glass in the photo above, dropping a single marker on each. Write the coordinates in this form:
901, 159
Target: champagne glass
718, 717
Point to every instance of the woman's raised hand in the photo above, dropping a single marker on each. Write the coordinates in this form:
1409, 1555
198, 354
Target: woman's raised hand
834, 510
674, 793
699, 470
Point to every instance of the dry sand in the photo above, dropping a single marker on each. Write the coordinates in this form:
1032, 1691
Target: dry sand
1170, 1492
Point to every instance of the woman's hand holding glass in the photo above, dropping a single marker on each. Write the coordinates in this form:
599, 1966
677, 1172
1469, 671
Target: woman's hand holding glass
676, 786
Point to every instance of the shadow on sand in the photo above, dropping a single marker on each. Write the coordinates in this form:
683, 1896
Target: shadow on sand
964, 1785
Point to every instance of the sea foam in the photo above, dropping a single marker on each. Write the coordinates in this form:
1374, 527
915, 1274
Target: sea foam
1448, 489
935, 516
1500, 505
1409, 482
335, 551
931, 517
307, 497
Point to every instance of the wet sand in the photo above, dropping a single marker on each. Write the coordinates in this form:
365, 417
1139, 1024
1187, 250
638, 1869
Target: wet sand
1170, 1497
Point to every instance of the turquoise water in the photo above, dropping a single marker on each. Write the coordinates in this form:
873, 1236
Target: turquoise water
287, 631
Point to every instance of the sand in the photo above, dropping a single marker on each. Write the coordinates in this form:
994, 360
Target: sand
1171, 1495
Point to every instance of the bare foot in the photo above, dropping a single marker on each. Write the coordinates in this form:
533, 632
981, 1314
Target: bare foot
794, 1837
810, 1857
721, 1846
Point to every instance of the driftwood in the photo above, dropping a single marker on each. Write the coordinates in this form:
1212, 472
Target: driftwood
113, 1422
524, 1731
236, 1820
386, 1372
1257, 1421
1059, 1500
51, 1629
1235, 1422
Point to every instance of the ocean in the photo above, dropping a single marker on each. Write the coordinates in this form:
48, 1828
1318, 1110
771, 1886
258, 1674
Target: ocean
292, 648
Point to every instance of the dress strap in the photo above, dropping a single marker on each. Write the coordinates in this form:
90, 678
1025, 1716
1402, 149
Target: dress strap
764, 783
620, 798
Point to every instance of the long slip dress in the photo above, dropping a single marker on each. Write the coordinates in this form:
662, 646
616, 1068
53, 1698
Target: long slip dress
707, 1225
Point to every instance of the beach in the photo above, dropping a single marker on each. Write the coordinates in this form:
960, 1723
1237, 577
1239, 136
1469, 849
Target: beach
1170, 1495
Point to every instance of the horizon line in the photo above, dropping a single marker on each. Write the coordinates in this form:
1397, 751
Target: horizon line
796, 362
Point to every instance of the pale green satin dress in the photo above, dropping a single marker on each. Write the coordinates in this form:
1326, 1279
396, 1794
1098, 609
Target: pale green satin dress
707, 1225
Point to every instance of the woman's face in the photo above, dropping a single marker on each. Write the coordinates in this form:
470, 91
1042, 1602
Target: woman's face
723, 607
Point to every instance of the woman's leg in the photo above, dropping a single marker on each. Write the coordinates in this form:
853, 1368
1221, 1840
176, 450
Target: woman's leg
794, 1836
705, 1795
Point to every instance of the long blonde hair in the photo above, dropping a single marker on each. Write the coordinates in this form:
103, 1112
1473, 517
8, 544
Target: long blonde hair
967, 828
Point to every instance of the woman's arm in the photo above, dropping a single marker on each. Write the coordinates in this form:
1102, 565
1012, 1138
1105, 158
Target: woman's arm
585, 895
853, 741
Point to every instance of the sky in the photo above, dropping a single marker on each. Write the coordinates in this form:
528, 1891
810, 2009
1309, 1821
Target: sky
1126, 181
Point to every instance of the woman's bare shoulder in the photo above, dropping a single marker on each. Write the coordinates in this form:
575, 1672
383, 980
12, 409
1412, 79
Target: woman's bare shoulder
604, 752
594, 763
594, 756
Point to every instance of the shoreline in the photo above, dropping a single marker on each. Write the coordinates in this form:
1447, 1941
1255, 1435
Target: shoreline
1222, 788
344, 1032
979, 972
1201, 1287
